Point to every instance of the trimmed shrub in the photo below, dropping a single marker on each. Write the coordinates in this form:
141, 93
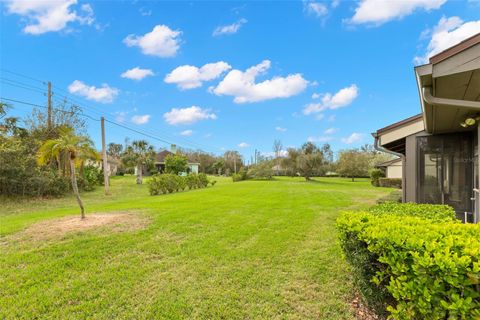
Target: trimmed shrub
390, 183
436, 212
169, 183
202, 180
394, 196
375, 175
415, 261
192, 181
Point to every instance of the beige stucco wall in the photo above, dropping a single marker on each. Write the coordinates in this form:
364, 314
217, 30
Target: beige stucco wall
394, 170
402, 132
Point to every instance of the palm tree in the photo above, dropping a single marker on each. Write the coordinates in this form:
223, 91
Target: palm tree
139, 154
70, 148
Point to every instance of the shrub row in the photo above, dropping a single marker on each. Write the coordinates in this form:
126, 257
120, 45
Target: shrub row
415, 261
435, 212
169, 183
390, 183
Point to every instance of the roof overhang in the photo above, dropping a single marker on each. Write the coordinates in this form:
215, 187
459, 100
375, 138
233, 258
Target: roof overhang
393, 137
449, 87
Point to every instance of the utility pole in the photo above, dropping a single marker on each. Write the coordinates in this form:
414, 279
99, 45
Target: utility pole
49, 113
105, 160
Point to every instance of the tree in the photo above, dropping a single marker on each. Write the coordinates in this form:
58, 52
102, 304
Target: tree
262, 170
233, 161
219, 166
139, 154
353, 163
277, 149
175, 163
72, 147
290, 161
114, 150
309, 160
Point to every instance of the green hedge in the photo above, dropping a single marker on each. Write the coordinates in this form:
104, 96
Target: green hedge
169, 183
428, 211
413, 264
390, 183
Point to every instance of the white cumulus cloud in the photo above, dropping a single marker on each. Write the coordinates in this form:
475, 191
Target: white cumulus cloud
141, 119
189, 77
319, 139
316, 8
243, 145
49, 16
331, 130
160, 42
186, 133
242, 85
448, 32
378, 12
103, 94
342, 98
280, 129
354, 137
229, 29
181, 116
137, 73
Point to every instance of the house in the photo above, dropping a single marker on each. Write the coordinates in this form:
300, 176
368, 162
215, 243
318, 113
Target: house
160, 160
439, 147
393, 168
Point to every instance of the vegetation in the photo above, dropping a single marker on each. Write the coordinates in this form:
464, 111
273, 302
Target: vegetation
415, 259
176, 164
375, 175
139, 154
68, 148
256, 249
169, 183
263, 170
353, 163
390, 183
20, 174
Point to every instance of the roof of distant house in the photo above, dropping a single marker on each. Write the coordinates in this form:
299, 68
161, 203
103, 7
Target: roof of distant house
160, 157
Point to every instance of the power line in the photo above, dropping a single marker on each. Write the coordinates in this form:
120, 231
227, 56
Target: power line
67, 97
22, 75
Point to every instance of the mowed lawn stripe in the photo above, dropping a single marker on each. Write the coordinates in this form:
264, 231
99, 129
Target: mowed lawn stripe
252, 249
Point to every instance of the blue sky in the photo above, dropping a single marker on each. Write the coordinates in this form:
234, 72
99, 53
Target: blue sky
295, 71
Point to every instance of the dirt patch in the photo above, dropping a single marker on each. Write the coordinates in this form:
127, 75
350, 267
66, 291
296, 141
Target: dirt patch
362, 312
60, 228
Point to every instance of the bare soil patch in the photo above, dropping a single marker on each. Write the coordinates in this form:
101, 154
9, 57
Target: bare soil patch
62, 227
361, 310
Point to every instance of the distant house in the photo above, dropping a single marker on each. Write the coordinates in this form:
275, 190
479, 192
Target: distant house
160, 160
393, 168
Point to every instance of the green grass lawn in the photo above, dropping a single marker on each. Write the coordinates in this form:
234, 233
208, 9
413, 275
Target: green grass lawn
252, 249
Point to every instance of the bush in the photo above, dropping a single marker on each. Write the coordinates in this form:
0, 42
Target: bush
375, 175
92, 177
192, 181
436, 212
394, 196
263, 170
390, 183
415, 261
241, 175
169, 183
202, 180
